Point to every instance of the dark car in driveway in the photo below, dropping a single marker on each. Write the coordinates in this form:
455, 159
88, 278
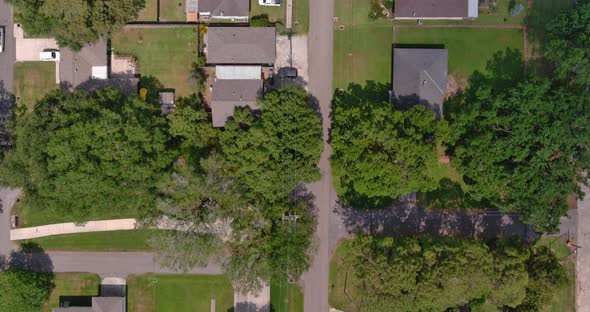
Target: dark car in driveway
287, 72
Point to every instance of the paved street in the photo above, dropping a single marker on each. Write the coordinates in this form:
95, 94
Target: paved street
320, 42
583, 254
7, 58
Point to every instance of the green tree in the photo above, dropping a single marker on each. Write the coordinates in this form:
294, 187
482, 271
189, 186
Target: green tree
192, 207
24, 291
380, 152
436, 273
75, 23
522, 148
190, 125
79, 153
273, 153
568, 44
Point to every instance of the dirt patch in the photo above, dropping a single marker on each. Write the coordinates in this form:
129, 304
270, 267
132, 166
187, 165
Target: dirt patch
452, 86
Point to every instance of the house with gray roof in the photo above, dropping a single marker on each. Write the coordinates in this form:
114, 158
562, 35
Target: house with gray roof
436, 9
241, 46
237, 11
229, 94
420, 77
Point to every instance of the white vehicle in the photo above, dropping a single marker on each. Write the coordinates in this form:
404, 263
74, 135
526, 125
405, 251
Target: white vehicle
49, 55
270, 2
1, 38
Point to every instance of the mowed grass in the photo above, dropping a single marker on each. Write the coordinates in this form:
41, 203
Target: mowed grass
275, 13
300, 16
362, 47
172, 11
131, 240
165, 53
469, 48
564, 298
342, 294
32, 81
72, 284
150, 12
179, 293
285, 297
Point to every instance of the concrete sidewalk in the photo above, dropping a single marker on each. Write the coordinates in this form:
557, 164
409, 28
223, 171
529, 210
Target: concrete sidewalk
71, 228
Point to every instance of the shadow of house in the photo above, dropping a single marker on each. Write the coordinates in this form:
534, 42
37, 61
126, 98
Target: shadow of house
420, 77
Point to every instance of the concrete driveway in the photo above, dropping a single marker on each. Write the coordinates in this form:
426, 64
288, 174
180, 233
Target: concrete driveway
7, 199
28, 49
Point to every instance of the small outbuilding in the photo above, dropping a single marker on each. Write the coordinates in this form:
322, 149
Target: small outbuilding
167, 101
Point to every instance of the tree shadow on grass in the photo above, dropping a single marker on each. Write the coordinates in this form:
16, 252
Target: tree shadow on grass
450, 195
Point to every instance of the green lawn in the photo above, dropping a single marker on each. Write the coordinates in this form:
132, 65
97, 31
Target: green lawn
300, 16
362, 50
150, 12
72, 284
172, 11
132, 240
469, 48
542, 12
275, 13
179, 293
34, 217
285, 297
564, 299
32, 80
165, 53
341, 294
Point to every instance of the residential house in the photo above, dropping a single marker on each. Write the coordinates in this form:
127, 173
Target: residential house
436, 9
235, 11
88, 69
239, 54
420, 77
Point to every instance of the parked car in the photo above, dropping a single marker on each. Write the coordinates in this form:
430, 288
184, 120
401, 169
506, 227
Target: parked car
270, 2
288, 72
1, 38
49, 55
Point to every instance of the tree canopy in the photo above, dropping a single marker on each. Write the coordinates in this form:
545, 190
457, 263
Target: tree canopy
78, 153
24, 291
568, 44
522, 148
75, 23
438, 273
271, 154
380, 152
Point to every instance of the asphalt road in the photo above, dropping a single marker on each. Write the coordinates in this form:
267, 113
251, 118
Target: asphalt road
320, 46
8, 57
583, 254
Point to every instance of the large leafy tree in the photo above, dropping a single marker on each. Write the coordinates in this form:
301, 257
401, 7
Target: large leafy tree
436, 273
380, 152
24, 291
78, 153
522, 148
75, 23
273, 153
568, 44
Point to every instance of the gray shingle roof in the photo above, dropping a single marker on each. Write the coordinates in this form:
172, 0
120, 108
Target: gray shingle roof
225, 7
241, 45
420, 76
431, 8
229, 94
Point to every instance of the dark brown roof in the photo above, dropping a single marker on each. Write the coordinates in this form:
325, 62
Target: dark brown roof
241, 45
229, 94
431, 8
